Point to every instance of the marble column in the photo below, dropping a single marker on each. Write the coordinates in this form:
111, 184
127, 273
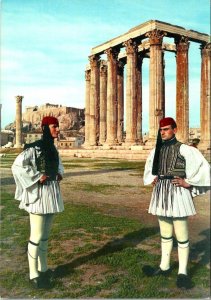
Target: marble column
94, 99
131, 97
18, 128
205, 121
103, 101
156, 82
182, 89
120, 101
139, 98
87, 108
112, 56
163, 88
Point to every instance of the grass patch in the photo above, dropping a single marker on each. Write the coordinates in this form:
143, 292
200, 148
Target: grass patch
95, 255
98, 188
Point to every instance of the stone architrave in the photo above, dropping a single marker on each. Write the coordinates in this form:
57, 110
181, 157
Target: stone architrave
94, 99
131, 97
112, 56
205, 96
103, 101
120, 101
156, 82
139, 98
18, 129
182, 89
87, 109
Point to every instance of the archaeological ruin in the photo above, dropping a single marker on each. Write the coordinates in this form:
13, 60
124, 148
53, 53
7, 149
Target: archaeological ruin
105, 114
27, 126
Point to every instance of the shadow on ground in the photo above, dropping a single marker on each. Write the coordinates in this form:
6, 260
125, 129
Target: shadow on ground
131, 239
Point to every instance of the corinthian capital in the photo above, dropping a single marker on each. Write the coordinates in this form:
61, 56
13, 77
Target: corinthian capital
120, 68
88, 75
205, 49
112, 53
131, 46
19, 99
182, 44
103, 68
155, 37
94, 60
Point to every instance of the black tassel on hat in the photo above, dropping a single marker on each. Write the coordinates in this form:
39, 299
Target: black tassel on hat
159, 144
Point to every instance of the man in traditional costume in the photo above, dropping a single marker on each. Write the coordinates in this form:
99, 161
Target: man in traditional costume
37, 172
178, 173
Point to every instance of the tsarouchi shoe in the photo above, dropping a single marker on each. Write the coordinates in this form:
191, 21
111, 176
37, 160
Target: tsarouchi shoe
184, 282
47, 274
40, 283
150, 271
35, 283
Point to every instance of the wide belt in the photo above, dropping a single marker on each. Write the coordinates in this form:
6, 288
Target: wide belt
50, 178
162, 177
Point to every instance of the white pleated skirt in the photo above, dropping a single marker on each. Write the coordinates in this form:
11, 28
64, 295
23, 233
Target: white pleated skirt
169, 200
49, 200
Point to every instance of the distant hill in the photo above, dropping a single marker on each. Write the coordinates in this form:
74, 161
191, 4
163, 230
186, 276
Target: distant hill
70, 118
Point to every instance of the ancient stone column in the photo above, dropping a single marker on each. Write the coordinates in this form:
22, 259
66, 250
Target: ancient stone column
156, 82
205, 96
120, 101
182, 89
112, 55
103, 101
163, 88
87, 108
131, 97
94, 99
18, 129
139, 98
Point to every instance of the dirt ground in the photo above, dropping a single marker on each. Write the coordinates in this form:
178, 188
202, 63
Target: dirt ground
125, 198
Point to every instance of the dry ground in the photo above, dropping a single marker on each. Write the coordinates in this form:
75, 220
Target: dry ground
126, 197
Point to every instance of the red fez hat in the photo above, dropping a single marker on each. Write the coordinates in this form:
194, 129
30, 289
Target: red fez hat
168, 121
49, 120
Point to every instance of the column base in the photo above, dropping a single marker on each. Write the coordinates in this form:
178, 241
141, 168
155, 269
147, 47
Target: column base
18, 146
151, 143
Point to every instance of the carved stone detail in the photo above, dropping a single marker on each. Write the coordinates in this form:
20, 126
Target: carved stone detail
112, 54
103, 68
131, 46
19, 99
94, 61
88, 75
120, 68
155, 37
182, 44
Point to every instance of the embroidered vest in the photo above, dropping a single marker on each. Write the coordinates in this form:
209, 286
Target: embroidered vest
171, 162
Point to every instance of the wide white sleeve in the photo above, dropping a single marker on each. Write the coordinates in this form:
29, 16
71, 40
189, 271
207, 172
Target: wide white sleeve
24, 169
148, 177
197, 167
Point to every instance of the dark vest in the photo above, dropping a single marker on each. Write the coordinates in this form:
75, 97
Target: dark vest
171, 162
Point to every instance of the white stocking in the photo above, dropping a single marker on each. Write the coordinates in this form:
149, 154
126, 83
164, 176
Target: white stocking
181, 231
166, 231
166, 248
43, 246
36, 228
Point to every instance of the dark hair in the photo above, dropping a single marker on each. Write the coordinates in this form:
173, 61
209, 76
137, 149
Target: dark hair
159, 144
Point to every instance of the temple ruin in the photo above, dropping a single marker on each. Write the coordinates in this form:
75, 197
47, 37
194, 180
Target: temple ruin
105, 112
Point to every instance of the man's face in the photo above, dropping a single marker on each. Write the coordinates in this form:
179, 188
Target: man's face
167, 132
54, 130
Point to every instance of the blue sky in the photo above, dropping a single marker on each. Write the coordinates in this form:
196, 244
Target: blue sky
45, 46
